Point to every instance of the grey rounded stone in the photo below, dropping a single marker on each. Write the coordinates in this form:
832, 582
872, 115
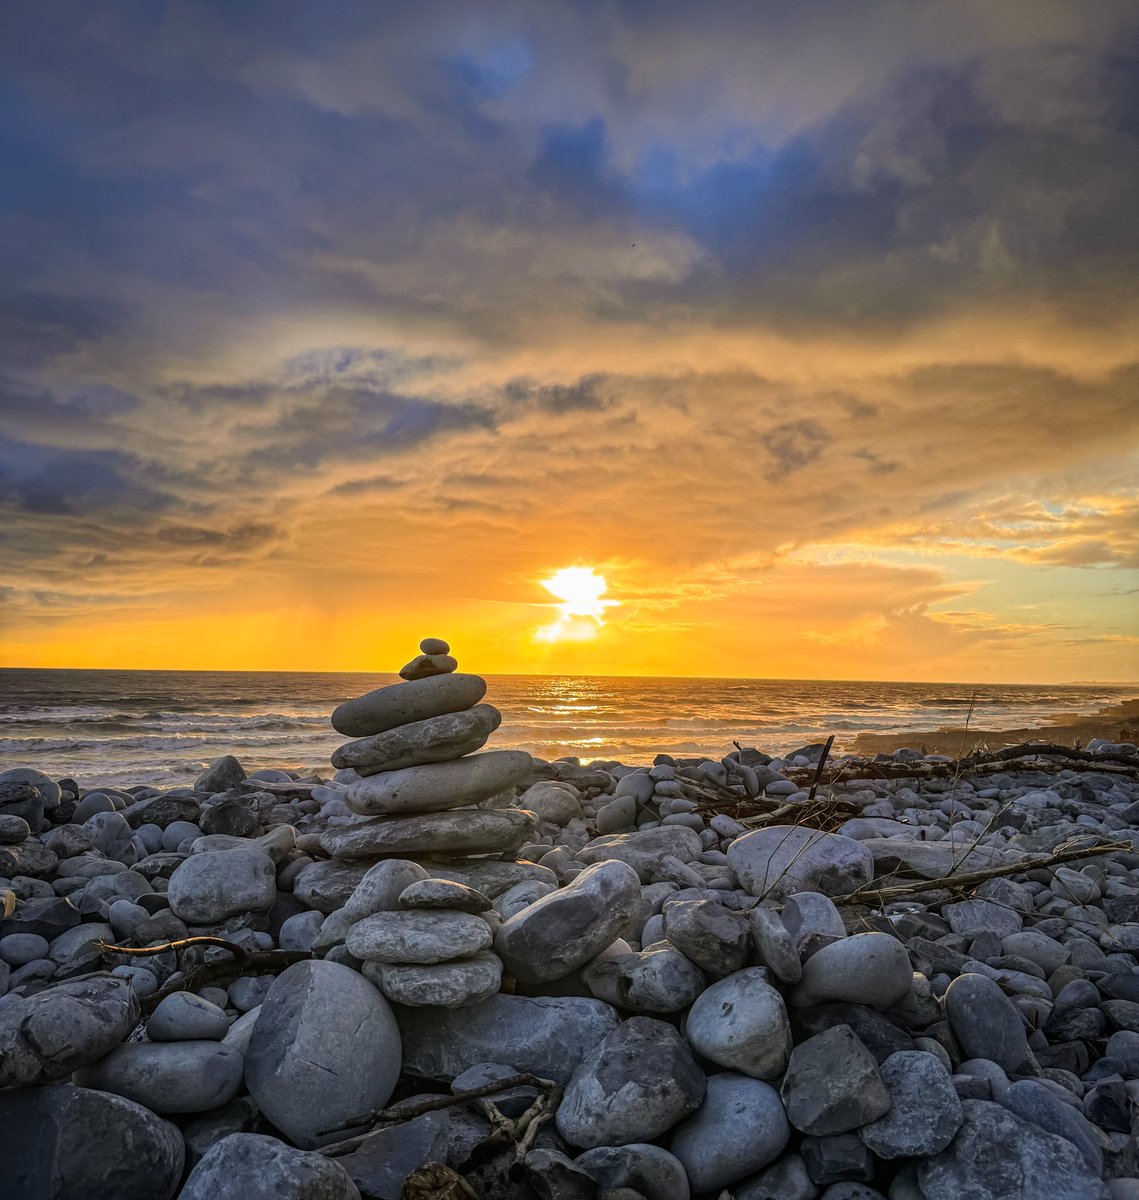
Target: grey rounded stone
644, 850
324, 1049
774, 944
182, 1016
741, 1023
169, 1077
552, 802
1033, 1101
658, 979
925, 1112
633, 1087
564, 930
716, 939
13, 829
545, 1035
867, 968
381, 887
453, 984
327, 883
619, 813
832, 1084
263, 1168
417, 936
300, 930
443, 894
521, 895
403, 703
998, 1156
438, 739
433, 645
207, 888
437, 786
654, 1173
19, 948
423, 666
784, 859
739, 1129
49, 1035
986, 1022
221, 775
63, 1142
462, 831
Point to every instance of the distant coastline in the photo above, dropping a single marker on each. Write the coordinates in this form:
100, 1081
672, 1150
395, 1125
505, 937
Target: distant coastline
1116, 722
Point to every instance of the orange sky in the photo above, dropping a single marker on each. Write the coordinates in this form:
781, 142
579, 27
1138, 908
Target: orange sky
816, 338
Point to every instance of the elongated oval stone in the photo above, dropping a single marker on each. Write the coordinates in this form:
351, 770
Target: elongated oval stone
457, 832
402, 703
418, 937
438, 739
437, 786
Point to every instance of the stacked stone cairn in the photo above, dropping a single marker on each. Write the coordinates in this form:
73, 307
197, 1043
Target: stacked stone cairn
728, 1013
423, 937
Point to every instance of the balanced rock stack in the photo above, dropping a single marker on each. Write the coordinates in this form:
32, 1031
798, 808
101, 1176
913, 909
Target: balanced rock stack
412, 773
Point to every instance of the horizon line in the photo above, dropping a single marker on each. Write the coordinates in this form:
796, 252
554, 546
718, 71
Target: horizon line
1126, 683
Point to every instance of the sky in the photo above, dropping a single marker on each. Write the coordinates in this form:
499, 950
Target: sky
811, 329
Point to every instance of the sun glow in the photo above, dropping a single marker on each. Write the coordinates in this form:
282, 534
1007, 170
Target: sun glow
582, 608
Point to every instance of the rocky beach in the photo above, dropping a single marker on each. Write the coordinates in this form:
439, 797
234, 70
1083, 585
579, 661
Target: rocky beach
438, 970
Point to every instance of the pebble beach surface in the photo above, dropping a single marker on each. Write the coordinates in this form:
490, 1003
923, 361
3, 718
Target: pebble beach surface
910, 978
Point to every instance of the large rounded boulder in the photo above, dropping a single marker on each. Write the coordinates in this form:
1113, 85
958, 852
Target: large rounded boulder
325, 1048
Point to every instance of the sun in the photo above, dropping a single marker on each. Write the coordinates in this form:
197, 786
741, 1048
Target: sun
582, 608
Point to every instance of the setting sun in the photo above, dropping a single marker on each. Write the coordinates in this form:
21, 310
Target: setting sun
582, 609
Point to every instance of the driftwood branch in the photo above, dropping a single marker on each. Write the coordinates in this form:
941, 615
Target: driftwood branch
547, 1101
884, 895
243, 962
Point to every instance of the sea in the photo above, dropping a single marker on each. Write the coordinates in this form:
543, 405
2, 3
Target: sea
122, 728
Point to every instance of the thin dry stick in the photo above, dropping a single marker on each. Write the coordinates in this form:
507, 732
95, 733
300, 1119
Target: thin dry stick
243, 961
404, 1111
964, 737
819, 769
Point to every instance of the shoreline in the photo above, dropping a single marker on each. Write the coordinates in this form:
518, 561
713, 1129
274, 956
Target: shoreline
493, 919
1115, 722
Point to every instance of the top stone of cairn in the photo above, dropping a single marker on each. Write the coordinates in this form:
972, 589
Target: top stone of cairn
433, 688
435, 659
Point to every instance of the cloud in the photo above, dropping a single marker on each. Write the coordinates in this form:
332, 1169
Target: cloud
427, 300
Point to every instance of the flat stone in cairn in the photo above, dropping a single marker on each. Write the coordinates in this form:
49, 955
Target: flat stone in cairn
477, 831
423, 666
411, 936
453, 984
444, 894
433, 787
438, 739
403, 703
